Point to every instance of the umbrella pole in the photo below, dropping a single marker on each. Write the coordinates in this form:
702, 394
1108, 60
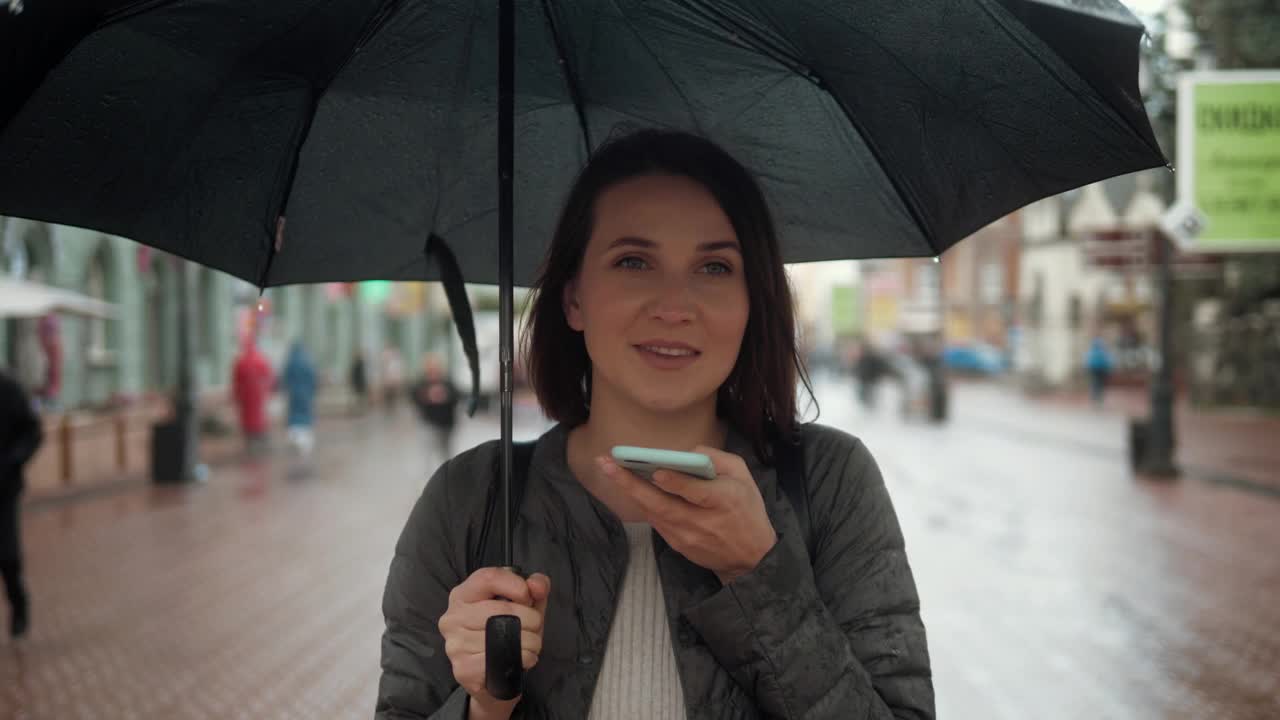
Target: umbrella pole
504, 675
506, 260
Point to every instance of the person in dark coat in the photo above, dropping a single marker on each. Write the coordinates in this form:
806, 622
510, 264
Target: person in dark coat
662, 318
359, 379
869, 369
20, 436
436, 399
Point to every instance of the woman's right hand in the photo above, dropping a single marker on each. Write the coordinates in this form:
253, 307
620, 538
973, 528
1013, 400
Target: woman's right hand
489, 592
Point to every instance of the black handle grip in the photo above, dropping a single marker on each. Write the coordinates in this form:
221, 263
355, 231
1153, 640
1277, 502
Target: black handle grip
503, 669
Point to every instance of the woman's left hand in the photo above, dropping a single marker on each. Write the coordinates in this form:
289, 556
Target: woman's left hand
718, 524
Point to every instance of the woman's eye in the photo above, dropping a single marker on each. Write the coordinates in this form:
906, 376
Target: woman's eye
630, 262
717, 268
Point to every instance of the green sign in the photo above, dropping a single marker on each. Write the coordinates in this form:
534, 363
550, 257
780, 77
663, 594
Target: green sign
846, 315
1229, 159
375, 291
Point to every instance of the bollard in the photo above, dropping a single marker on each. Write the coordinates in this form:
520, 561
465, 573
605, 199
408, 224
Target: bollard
122, 444
64, 439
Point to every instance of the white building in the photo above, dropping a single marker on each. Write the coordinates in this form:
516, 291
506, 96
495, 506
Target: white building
1084, 271
826, 297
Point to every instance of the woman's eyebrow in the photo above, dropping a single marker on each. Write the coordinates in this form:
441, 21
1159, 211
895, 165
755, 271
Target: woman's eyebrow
638, 242
629, 241
720, 245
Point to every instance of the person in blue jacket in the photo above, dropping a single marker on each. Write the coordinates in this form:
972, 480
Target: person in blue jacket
1097, 362
300, 387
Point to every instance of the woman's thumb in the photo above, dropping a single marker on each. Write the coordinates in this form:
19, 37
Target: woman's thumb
540, 588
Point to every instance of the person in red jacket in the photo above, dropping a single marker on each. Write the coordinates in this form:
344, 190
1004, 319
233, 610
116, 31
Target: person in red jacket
251, 384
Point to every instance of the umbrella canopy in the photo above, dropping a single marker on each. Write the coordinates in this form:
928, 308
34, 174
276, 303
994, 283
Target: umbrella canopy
878, 128
309, 140
22, 299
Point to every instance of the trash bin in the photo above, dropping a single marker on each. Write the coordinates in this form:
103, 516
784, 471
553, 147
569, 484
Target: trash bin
1139, 431
938, 392
938, 399
168, 448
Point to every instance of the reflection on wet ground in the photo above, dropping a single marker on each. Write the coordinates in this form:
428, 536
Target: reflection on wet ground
1054, 585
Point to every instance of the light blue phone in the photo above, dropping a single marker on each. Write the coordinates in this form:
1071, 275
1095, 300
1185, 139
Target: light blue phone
643, 461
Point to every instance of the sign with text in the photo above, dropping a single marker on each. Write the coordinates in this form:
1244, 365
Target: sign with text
1134, 250
1229, 160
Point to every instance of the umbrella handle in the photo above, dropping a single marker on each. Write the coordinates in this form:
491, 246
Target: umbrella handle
503, 667
503, 670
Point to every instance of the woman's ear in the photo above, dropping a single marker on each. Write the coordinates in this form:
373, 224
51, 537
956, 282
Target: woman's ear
572, 308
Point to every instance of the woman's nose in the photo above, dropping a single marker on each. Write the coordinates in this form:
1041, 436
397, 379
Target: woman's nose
673, 302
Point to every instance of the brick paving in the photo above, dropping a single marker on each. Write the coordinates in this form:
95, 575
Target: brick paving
1232, 445
1054, 584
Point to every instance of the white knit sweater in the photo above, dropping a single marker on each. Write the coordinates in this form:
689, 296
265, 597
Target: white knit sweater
638, 676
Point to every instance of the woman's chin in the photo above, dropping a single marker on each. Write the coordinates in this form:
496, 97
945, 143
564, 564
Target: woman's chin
671, 403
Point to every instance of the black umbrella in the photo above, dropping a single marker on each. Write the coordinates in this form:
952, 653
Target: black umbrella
878, 128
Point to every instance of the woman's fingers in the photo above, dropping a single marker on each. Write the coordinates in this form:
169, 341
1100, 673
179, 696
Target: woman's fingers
528, 659
471, 642
476, 615
491, 582
481, 597
540, 589
468, 670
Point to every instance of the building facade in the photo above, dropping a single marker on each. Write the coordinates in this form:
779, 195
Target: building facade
102, 363
1085, 272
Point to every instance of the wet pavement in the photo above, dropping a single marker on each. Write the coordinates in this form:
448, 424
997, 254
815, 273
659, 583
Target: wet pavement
1054, 584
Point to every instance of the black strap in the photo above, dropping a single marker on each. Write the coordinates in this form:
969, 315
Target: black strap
788, 462
459, 307
488, 552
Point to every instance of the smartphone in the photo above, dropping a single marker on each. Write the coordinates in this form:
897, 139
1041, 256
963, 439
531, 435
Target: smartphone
643, 461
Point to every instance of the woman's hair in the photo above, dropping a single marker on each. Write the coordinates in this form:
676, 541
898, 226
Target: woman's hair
759, 396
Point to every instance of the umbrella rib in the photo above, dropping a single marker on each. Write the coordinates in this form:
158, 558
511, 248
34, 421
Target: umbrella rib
666, 72
1122, 120
570, 75
741, 32
455, 128
803, 70
380, 15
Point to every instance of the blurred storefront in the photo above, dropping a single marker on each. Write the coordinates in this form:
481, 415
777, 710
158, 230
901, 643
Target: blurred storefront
102, 379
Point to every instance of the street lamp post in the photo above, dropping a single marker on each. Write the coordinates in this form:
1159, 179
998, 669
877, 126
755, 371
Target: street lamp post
1158, 458
174, 443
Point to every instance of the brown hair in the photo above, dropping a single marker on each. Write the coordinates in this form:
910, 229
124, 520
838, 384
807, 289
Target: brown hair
759, 396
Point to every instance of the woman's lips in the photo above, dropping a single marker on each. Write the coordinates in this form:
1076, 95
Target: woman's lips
667, 356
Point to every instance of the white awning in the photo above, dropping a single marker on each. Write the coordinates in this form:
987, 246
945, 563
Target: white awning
22, 299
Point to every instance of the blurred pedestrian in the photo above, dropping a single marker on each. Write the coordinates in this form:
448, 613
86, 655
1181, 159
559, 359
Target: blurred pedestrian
392, 378
300, 387
359, 379
869, 368
20, 437
251, 384
437, 400
1098, 363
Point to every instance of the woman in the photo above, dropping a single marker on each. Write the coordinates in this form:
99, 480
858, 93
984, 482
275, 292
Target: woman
663, 318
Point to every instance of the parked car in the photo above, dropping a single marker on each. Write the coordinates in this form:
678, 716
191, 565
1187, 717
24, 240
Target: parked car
975, 358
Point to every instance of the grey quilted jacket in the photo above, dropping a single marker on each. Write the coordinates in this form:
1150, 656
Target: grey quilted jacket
841, 638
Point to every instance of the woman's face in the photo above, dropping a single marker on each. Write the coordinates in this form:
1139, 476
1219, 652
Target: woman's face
661, 298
